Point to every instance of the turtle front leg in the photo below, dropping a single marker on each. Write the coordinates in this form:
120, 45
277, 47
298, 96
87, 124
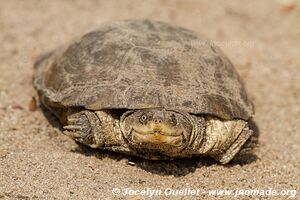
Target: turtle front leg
82, 126
97, 129
224, 139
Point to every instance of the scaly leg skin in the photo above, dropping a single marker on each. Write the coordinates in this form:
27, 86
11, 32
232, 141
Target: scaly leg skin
81, 126
97, 129
224, 139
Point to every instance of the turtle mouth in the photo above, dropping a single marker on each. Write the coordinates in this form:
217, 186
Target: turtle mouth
157, 138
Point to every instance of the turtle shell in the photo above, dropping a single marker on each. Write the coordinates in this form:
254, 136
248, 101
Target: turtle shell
137, 64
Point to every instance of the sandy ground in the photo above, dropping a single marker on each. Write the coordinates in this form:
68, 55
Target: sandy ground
262, 38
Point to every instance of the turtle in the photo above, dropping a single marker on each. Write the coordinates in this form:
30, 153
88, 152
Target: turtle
148, 89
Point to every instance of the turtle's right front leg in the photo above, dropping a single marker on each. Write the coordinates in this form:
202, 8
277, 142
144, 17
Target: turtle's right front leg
82, 126
97, 129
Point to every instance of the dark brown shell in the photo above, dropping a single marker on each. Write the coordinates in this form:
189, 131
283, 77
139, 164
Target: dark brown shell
142, 64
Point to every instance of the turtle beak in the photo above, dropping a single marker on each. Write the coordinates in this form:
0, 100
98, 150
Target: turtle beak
157, 134
157, 139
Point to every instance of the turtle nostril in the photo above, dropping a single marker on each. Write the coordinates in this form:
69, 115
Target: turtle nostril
158, 121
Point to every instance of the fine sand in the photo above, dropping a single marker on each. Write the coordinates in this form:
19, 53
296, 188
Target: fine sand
262, 38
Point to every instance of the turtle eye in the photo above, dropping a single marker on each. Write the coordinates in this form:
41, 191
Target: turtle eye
143, 118
173, 120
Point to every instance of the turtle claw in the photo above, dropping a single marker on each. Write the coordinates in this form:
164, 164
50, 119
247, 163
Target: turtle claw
73, 127
74, 135
79, 127
72, 120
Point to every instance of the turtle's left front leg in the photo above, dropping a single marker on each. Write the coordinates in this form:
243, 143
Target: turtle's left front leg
225, 138
220, 139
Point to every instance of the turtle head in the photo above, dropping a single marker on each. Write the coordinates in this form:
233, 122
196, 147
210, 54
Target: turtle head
157, 130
